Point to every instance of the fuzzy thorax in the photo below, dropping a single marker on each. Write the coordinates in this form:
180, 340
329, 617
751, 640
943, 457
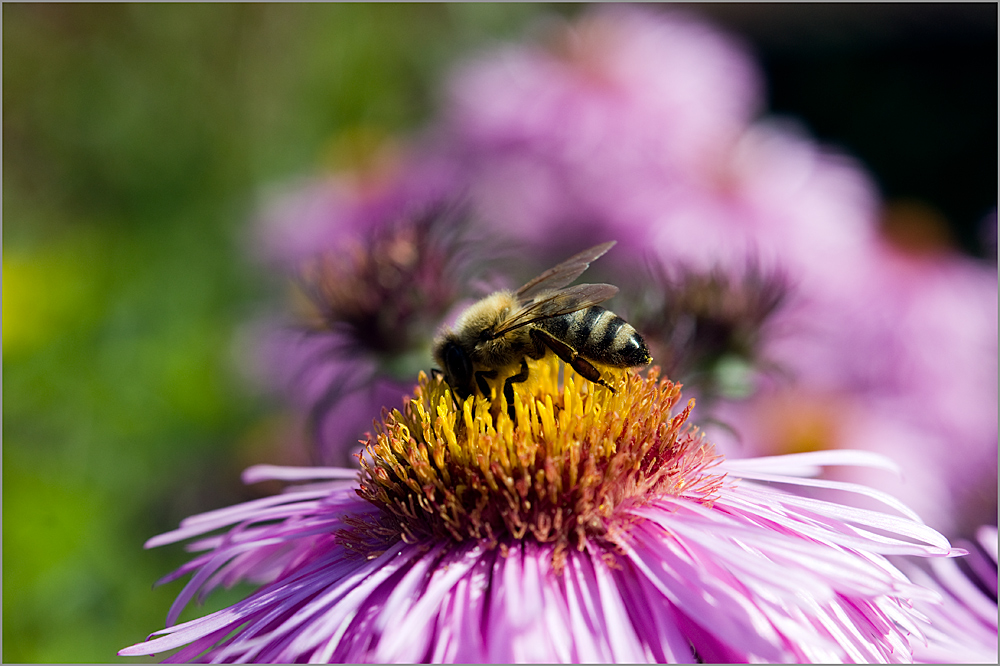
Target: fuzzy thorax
473, 332
558, 472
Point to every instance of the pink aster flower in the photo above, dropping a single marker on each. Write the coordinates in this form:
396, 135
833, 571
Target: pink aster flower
595, 526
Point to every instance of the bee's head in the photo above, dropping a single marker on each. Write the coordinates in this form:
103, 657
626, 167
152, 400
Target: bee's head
456, 365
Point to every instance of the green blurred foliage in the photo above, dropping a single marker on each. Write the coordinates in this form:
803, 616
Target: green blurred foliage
137, 140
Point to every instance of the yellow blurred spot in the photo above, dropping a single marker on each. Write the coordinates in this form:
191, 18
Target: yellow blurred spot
44, 294
368, 156
797, 424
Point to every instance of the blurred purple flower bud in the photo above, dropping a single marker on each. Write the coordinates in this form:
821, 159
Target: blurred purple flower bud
377, 260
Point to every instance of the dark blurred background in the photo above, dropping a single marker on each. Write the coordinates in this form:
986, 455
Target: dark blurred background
137, 140
910, 89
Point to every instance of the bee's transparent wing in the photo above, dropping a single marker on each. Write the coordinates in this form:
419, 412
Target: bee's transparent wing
556, 303
561, 275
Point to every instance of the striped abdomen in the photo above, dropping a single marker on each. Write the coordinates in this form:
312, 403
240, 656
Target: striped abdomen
599, 335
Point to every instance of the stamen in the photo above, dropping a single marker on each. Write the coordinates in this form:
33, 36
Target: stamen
556, 473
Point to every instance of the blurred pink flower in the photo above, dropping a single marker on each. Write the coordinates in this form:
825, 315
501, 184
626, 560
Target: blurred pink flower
622, 101
775, 196
639, 125
905, 366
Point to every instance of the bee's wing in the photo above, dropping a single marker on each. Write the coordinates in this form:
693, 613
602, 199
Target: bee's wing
561, 275
556, 303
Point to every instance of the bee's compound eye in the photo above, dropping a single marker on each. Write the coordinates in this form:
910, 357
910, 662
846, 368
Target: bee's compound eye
458, 365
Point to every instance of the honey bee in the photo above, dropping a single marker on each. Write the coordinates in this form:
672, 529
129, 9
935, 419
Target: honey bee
499, 333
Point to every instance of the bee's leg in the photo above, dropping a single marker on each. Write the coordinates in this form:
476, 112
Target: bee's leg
569, 356
538, 348
508, 387
481, 377
458, 396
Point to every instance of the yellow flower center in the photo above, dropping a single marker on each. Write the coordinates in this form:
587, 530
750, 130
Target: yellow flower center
559, 472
